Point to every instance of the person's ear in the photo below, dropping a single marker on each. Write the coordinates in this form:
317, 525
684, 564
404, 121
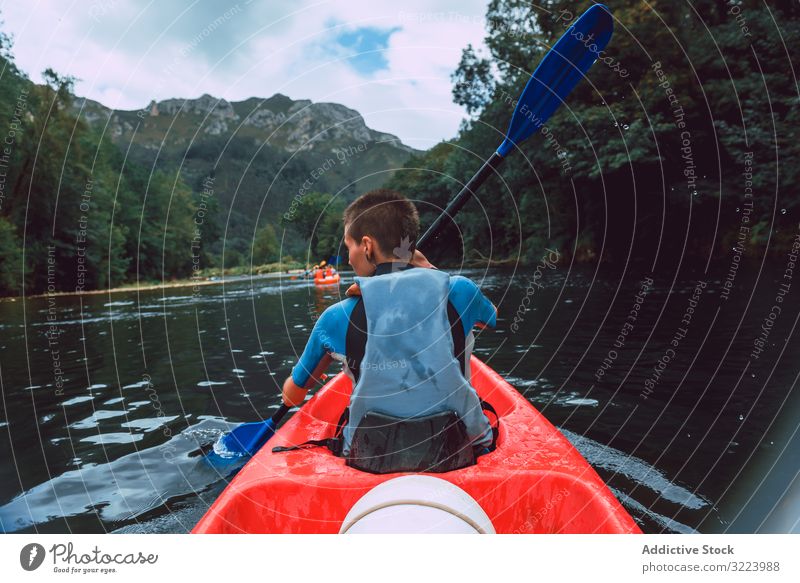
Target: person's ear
369, 248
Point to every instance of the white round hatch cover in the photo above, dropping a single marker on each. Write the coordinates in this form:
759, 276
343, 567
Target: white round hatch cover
416, 504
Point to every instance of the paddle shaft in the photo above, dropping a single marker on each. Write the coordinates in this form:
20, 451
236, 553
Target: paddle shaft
549, 85
280, 413
435, 230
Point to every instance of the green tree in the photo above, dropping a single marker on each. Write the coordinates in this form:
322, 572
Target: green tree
265, 246
79, 212
10, 259
472, 81
317, 219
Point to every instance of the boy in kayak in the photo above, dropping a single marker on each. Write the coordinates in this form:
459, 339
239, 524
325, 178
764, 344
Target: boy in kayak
404, 333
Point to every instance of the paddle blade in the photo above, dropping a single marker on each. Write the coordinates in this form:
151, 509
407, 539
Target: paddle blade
245, 439
558, 73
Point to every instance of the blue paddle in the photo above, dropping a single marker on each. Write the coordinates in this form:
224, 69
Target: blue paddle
244, 440
555, 77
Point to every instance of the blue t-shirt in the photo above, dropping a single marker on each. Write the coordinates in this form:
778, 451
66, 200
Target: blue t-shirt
330, 331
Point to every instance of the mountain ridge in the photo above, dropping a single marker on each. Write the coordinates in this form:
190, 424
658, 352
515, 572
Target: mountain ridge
262, 152
292, 121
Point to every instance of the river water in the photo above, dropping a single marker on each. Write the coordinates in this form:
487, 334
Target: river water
653, 380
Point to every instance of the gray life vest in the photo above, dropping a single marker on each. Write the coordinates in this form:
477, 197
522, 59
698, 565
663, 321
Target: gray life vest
409, 369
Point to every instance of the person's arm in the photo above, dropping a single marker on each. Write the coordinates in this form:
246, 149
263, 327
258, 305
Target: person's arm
472, 305
328, 336
293, 394
487, 313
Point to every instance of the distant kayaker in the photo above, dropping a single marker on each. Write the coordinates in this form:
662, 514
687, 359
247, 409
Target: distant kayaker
404, 334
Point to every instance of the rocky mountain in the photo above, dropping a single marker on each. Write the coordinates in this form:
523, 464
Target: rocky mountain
261, 152
280, 121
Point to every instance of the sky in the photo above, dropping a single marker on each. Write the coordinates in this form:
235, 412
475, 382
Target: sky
391, 60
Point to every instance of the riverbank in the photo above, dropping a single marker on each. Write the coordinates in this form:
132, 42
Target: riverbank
209, 277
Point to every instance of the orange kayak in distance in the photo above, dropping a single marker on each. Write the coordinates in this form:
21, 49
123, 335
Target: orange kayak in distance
330, 280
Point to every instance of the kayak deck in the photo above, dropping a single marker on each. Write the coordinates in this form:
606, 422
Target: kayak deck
534, 482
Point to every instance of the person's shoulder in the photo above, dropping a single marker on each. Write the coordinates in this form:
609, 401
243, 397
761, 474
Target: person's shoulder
339, 310
460, 283
464, 291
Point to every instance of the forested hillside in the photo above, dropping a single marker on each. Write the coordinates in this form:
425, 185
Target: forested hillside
92, 198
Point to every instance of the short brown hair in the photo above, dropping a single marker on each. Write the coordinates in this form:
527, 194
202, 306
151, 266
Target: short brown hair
385, 215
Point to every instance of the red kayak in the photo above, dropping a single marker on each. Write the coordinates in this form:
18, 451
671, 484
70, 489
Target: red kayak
535, 481
327, 280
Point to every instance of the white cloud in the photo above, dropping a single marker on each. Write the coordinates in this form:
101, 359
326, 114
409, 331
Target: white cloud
126, 53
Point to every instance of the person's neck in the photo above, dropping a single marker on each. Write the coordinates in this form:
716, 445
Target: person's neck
390, 265
380, 260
